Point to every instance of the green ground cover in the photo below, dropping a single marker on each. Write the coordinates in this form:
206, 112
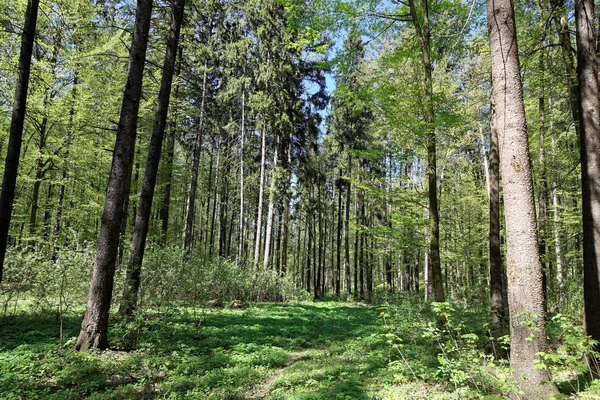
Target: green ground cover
297, 350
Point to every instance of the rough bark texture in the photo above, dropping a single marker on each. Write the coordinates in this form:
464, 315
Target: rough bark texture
524, 270
142, 218
589, 105
94, 328
11, 164
496, 302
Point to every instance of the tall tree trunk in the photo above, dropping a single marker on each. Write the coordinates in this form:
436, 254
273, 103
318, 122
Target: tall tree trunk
142, 218
543, 184
188, 236
496, 292
525, 292
63, 173
338, 278
170, 150
422, 28
559, 15
241, 224
347, 227
560, 274
259, 211
589, 105
272, 187
286, 211
94, 328
11, 164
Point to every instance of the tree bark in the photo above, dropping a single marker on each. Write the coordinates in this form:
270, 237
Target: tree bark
589, 105
422, 28
11, 163
241, 224
347, 228
272, 189
142, 218
170, 150
496, 297
524, 270
190, 213
94, 328
259, 211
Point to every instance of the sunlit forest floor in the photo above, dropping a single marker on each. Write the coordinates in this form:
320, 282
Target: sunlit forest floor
297, 350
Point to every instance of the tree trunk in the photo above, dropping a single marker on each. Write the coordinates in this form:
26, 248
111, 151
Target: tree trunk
347, 228
525, 292
559, 14
188, 236
543, 184
170, 149
422, 28
241, 224
11, 164
142, 218
339, 236
259, 211
272, 188
589, 105
496, 293
94, 328
63, 174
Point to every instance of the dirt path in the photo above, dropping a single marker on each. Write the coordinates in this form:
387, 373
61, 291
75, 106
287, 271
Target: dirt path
263, 389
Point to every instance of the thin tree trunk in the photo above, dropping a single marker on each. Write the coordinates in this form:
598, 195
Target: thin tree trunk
94, 328
142, 218
64, 173
170, 150
190, 213
272, 188
286, 213
241, 225
11, 164
338, 278
347, 228
559, 14
560, 274
423, 32
259, 211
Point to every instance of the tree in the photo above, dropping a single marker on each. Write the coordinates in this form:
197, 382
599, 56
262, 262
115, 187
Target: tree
420, 18
589, 106
11, 164
94, 328
142, 219
524, 270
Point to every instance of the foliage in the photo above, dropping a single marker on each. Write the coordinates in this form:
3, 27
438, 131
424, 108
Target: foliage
460, 350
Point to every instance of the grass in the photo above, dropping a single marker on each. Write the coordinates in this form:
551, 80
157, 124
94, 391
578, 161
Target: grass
321, 350
300, 350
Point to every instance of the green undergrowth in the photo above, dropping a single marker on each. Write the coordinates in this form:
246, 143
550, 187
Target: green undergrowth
296, 350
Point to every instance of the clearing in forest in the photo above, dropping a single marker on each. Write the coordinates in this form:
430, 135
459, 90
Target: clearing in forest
321, 350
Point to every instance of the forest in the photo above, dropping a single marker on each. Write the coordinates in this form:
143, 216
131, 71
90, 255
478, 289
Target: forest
299, 199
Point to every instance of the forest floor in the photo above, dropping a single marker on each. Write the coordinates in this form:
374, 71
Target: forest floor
302, 350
